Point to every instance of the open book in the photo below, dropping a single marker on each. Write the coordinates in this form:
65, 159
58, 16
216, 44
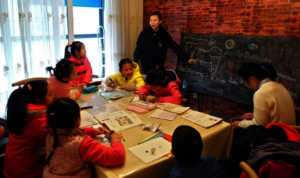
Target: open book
202, 119
172, 107
87, 119
161, 114
119, 120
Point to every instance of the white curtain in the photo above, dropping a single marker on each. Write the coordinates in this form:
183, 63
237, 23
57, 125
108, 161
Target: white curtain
32, 37
123, 22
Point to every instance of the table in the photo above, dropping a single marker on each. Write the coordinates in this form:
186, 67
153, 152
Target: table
216, 141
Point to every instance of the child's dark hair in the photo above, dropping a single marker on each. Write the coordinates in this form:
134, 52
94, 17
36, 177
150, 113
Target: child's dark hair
187, 144
62, 114
158, 15
75, 46
62, 70
260, 71
16, 108
124, 61
156, 76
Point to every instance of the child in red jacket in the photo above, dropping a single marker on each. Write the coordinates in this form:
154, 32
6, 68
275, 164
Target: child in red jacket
76, 53
27, 122
71, 150
161, 83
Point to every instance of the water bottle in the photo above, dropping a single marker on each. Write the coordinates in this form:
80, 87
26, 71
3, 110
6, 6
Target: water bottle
184, 84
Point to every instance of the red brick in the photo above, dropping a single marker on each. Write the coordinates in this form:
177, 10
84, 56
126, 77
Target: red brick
296, 4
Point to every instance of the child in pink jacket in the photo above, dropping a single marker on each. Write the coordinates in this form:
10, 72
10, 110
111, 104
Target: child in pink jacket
76, 53
72, 151
161, 83
64, 72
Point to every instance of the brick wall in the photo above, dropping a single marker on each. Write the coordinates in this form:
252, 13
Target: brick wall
236, 17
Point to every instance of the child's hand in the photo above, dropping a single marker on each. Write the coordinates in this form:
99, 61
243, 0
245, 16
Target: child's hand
80, 88
122, 86
113, 85
235, 124
115, 138
83, 84
154, 100
100, 131
142, 97
248, 115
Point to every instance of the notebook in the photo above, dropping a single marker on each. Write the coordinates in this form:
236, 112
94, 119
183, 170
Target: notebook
202, 119
144, 104
137, 109
87, 119
172, 107
112, 95
161, 114
119, 120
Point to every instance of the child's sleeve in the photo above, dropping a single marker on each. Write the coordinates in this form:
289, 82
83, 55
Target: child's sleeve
175, 96
88, 72
139, 83
72, 83
89, 131
93, 152
74, 95
145, 89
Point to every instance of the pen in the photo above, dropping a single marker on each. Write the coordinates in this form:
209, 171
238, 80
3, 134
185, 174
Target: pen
111, 81
86, 107
122, 136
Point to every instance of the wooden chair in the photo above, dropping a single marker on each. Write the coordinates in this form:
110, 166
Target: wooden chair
23, 82
248, 170
296, 127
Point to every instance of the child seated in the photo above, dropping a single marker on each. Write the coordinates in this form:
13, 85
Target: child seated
187, 148
27, 123
71, 151
161, 83
64, 72
76, 53
129, 76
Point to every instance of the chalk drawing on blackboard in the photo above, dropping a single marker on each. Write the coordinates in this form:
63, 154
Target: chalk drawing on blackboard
215, 55
211, 42
191, 49
230, 44
253, 46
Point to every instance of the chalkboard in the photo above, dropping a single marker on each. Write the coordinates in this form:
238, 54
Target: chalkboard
220, 56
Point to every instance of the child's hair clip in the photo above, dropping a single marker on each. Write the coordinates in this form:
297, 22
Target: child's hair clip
29, 86
62, 65
52, 114
69, 47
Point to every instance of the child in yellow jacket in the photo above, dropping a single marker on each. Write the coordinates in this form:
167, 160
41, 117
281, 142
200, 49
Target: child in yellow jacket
128, 77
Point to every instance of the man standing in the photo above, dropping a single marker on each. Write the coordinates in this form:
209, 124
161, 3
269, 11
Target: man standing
153, 43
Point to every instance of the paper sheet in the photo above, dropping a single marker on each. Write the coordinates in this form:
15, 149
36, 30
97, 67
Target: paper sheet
119, 120
161, 114
172, 107
151, 150
202, 119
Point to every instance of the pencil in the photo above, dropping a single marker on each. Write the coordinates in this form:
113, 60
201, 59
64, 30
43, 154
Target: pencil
122, 136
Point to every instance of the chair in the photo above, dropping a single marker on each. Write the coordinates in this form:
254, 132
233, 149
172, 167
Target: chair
23, 82
248, 170
296, 127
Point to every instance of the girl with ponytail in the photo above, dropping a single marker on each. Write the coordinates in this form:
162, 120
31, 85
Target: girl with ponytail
75, 148
27, 122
